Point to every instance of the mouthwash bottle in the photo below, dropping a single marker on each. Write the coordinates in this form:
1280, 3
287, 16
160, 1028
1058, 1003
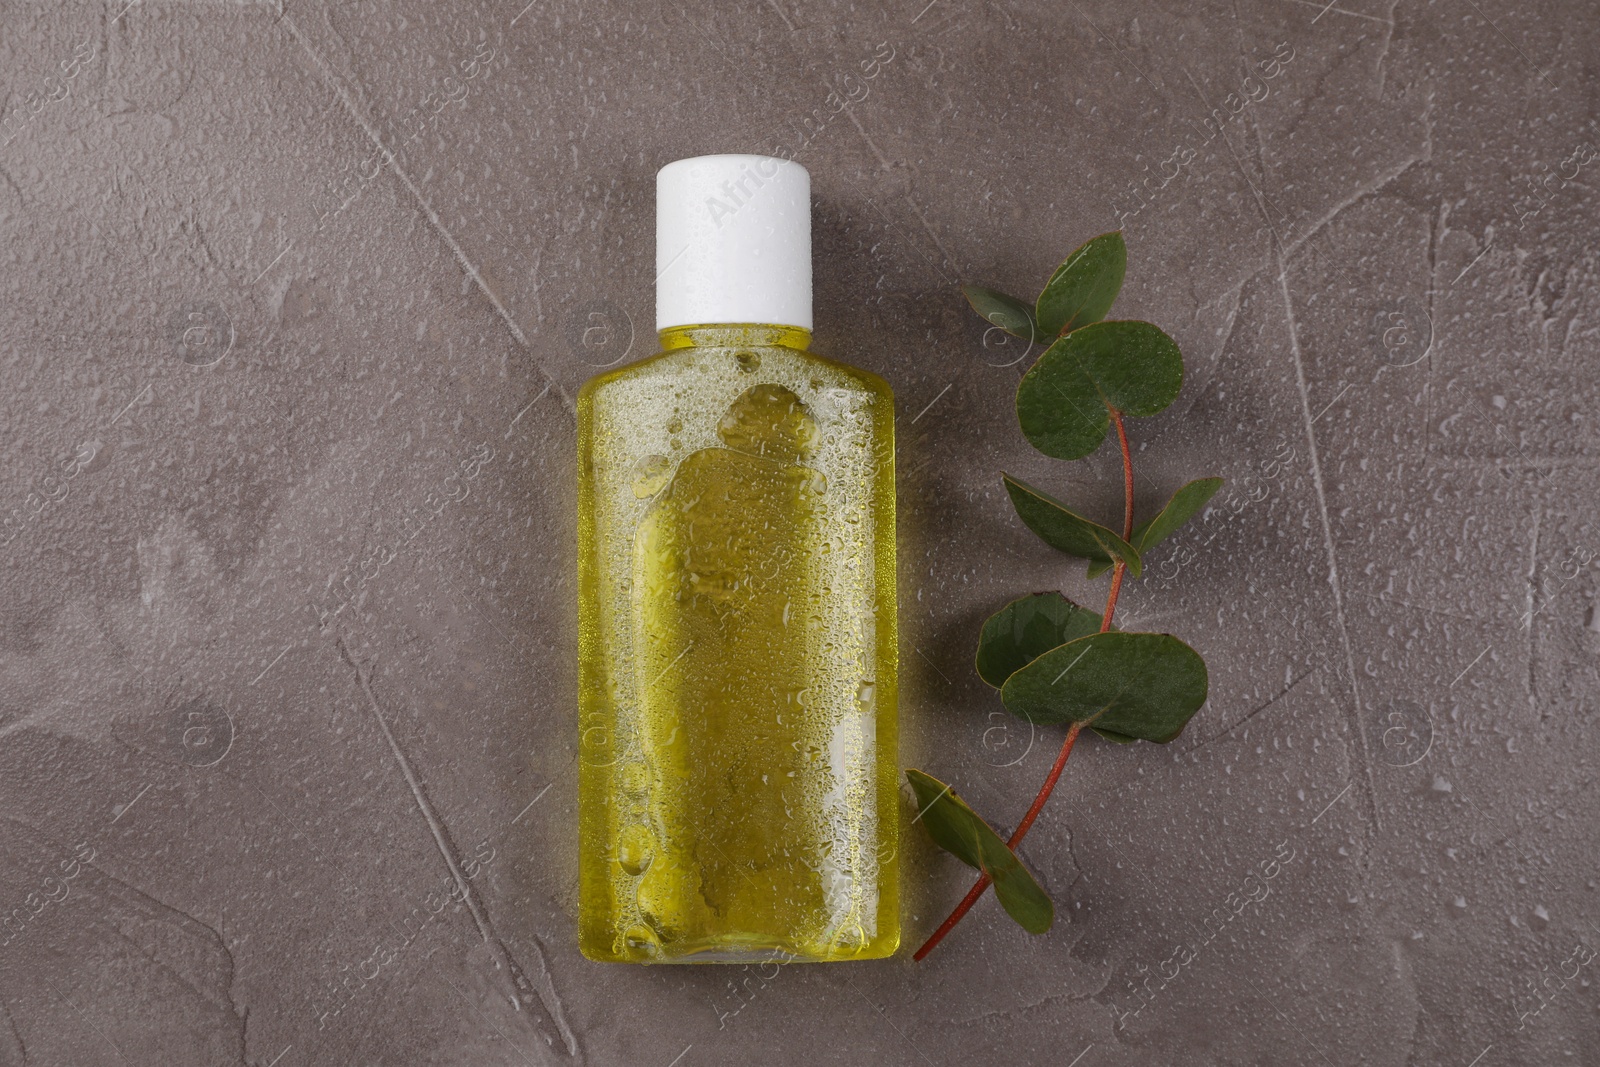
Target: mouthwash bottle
737, 639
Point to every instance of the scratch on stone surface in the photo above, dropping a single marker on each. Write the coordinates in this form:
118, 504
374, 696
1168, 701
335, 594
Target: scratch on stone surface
1388, 40
1371, 189
1214, 367
1251, 714
1029, 1007
1417, 607
1341, 11
774, 5
889, 224
1237, 295
241, 1012
1354, 716
1140, 70
15, 187
550, 1024
432, 216
885, 1017
68, 1001
1533, 596
1437, 232
933, 235
855, 120
119, 889
18, 1046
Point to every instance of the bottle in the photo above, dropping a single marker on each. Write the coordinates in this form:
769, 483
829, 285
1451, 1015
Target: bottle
738, 795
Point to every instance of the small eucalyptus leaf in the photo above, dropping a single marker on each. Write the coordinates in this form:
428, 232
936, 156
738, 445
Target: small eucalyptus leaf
1065, 529
1144, 686
1183, 506
1064, 401
1019, 892
1027, 628
1007, 312
1083, 288
1097, 568
960, 831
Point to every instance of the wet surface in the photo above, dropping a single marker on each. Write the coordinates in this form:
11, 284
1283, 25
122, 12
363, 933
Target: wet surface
297, 301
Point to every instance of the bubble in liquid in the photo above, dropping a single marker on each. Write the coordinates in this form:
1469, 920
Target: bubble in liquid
635, 849
635, 778
769, 420
674, 425
640, 936
650, 476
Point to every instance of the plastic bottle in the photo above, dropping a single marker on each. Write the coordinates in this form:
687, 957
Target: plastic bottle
737, 637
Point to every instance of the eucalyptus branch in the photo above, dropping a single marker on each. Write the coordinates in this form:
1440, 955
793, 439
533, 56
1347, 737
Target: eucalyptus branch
1138, 686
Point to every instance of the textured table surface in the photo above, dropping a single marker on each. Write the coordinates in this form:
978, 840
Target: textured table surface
296, 302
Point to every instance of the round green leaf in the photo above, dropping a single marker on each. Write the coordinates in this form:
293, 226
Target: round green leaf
1143, 686
960, 831
1027, 628
1083, 288
1007, 312
1063, 400
1065, 529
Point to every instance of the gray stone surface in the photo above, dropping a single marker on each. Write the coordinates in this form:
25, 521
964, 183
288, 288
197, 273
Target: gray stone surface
286, 596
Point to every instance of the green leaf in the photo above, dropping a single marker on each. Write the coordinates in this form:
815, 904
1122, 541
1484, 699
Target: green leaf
1097, 568
959, 830
1007, 312
1063, 528
1144, 686
1115, 738
1183, 506
1083, 288
1063, 400
1027, 628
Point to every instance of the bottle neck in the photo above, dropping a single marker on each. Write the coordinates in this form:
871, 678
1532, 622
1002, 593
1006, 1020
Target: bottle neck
734, 335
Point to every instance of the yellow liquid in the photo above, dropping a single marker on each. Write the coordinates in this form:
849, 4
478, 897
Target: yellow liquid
737, 655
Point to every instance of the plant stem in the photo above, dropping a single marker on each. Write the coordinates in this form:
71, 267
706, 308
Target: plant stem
1072, 732
1016, 839
1127, 520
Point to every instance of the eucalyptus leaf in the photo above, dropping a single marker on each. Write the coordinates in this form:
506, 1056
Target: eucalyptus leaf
1083, 288
1065, 529
1007, 312
1113, 737
1183, 506
1144, 686
1027, 628
1064, 401
960, 831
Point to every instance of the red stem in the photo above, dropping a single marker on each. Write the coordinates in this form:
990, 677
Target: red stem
1016, 839
1072, 733
1127, 520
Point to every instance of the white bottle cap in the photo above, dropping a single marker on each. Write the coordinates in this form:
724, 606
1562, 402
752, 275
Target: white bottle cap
733, 242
